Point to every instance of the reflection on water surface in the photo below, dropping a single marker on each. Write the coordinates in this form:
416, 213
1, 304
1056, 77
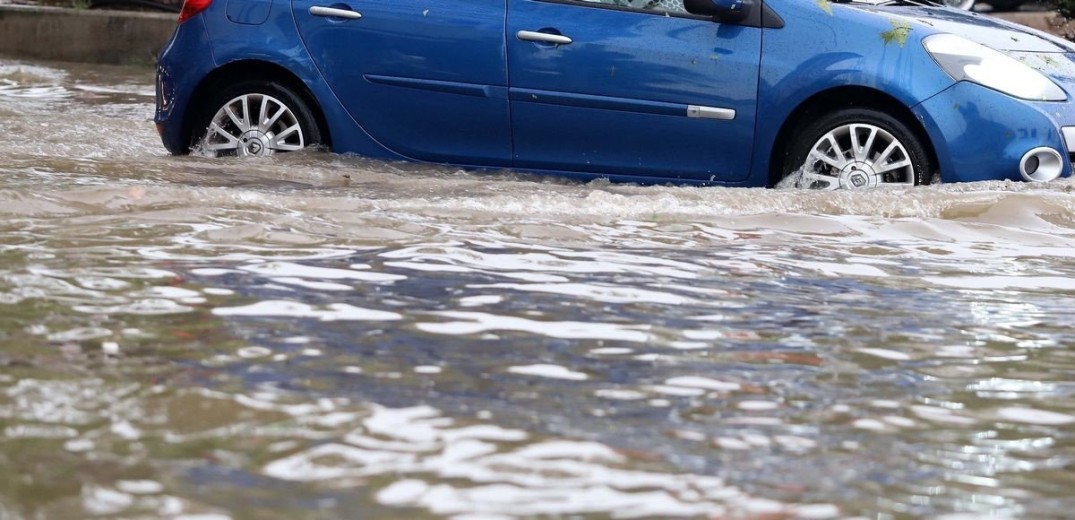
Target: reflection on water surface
316, 336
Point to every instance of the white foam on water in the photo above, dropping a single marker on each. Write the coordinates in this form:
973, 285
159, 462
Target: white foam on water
550, 371
79, 334
620, 394
101, 283
884, 403
478, 470
758, 440
146, 307
140, 487
869, 424
688, 345
110, 348
175, 293
1005, 282
79, 445
816, 511
940, 415
38, 431
732, 443
884, 353
1034, 416
703, 383
704, 334
317, 286
545, 263
290, 309
479, 301
899, 421
609, 294
610, 351
834, 269
133, 272
103, 501
476, 322
402, 492
290, 270
757, 406
253, 352
795, 442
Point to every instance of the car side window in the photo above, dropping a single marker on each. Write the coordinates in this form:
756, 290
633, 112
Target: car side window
660, 6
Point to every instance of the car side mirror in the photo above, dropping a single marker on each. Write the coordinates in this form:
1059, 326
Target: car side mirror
721, 10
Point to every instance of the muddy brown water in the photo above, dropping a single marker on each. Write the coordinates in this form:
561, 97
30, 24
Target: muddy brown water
319, 336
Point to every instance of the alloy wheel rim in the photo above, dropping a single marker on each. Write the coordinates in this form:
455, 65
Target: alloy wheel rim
857, 156
254, 125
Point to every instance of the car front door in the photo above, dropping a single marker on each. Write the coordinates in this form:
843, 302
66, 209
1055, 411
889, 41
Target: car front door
631, 87
428, 80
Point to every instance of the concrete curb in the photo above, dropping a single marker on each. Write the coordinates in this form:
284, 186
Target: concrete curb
133, 38
1048, 21
83, 35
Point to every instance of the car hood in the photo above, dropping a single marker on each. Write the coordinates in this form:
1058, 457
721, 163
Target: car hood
989, 31
1051, 55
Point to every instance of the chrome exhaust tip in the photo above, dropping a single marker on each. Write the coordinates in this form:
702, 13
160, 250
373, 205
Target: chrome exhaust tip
1041, 164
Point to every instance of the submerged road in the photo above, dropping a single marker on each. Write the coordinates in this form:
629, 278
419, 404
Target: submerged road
318, 336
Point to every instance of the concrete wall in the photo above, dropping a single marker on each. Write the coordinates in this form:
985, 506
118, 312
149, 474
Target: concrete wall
93, 36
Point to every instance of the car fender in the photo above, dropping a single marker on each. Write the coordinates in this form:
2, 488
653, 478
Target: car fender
826, 46
233, 42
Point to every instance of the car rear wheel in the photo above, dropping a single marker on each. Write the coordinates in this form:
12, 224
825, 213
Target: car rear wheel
254, 119
856, 149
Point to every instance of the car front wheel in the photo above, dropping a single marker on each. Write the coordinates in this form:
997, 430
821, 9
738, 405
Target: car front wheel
253, 119
855, 149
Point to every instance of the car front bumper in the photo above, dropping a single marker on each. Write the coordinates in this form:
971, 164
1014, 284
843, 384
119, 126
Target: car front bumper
981, 134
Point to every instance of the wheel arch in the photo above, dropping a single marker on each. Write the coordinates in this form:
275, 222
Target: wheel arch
247, 70
835, 99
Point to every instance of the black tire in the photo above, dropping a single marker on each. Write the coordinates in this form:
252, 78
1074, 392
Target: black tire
810, 134
1005, 5
300, 109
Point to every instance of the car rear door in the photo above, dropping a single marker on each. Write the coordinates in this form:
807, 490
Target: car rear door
631, 90
428, 80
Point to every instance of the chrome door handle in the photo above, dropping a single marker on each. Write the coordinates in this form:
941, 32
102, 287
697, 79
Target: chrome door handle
332, 12
534, 36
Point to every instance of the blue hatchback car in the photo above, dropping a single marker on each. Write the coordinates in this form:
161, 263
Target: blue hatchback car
804, 93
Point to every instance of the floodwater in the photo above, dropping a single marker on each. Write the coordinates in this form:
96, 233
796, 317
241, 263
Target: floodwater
319, 336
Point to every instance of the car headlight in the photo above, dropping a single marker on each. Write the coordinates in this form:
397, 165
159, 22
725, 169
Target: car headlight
965, 60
